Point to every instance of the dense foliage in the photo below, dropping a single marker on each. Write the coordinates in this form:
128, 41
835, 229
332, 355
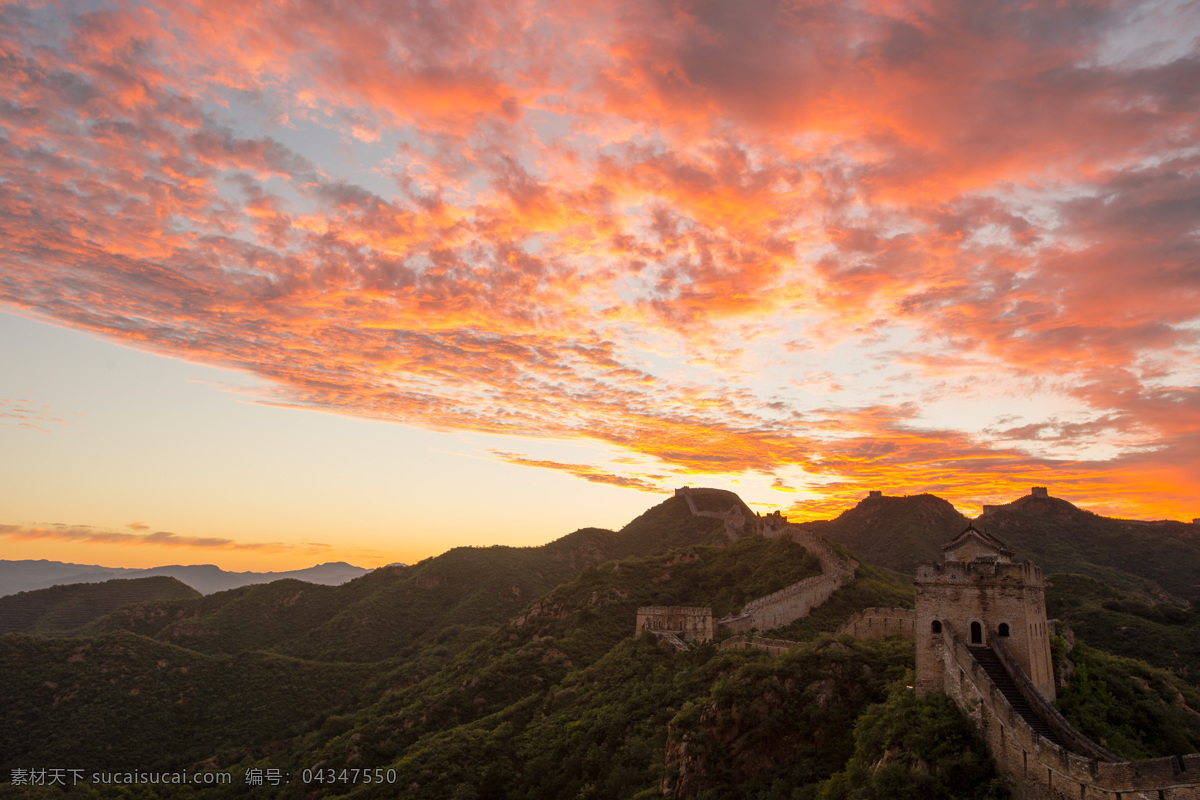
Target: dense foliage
1123, 623
912, 748
123, 701
395, 610
1129, 707
514, 673
60, 610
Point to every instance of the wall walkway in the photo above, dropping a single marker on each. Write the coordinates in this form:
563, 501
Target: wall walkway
1043, 769
769, 646
793, 602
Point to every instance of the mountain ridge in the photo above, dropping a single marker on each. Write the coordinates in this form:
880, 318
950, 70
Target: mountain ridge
467, 678
204, 578
1058, 536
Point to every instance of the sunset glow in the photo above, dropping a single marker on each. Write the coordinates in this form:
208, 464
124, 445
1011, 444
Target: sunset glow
541, 263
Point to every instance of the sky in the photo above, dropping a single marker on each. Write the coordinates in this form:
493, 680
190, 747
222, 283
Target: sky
292, 282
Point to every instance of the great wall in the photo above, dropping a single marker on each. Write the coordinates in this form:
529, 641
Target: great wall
997, 667
763, 613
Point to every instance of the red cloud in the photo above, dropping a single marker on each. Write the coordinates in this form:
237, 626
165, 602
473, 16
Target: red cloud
618, 220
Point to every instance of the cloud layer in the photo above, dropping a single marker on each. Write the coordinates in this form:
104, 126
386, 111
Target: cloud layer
88, 534
844, 244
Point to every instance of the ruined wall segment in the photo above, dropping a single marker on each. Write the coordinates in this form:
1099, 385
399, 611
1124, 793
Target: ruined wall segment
762, 644
872, 622
689, 623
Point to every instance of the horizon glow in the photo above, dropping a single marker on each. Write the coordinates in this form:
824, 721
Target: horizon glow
399, 276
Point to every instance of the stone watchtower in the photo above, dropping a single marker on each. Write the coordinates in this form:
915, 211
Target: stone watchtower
980, 594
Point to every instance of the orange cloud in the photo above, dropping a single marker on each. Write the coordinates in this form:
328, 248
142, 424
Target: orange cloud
90, 535
622, 221
587, 472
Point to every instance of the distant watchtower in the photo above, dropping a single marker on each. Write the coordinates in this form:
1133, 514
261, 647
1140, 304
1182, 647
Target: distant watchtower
978, 591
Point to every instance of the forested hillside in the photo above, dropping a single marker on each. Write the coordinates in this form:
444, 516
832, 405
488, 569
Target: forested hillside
515, 673
1159, 560
66, 609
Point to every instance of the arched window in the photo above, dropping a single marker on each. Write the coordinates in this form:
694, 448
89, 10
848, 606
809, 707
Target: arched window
976, 633
935, 626
1003, 629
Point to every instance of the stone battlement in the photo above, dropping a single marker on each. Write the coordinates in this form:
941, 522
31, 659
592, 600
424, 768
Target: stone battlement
1043, 768
973, 571
872, 622
689, 623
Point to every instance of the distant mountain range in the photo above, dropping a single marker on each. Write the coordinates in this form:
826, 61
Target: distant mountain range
24, 576
1159, 560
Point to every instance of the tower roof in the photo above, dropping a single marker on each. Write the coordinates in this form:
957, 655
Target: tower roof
984, 546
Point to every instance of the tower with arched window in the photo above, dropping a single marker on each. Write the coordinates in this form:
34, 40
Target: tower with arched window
983, 597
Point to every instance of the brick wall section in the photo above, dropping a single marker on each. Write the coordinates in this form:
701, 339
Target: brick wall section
690, 623
882, 622
772, 611
1042, 769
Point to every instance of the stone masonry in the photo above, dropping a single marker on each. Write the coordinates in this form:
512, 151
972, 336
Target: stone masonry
982, 593
688, 623
872, 622
793, 602
981, 619
763, 613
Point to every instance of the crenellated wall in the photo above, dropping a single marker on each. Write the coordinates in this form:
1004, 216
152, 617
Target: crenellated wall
1043, 769
690, 623
793, 602
882, 622
790, 603
993, 596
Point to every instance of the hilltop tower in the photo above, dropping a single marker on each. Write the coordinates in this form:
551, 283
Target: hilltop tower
982, 596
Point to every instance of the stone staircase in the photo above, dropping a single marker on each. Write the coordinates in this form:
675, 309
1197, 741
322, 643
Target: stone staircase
672, 639
995, 670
